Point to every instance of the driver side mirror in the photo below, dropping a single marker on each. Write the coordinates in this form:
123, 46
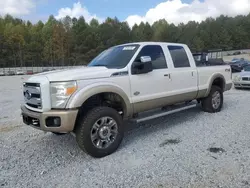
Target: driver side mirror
145, 59
142, 66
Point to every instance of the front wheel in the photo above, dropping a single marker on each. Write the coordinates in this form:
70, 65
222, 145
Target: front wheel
100, 132
214, 101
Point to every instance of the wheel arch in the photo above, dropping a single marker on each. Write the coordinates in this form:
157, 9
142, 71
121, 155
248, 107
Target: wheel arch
218, 80
92, 90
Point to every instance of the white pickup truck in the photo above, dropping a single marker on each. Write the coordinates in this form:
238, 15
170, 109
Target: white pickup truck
123, 82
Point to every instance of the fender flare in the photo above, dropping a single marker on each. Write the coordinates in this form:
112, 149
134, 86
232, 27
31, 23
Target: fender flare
90, 90
212, 79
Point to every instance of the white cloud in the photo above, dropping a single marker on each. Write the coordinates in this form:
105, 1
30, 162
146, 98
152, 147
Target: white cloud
16, 7
175, 11
76, 11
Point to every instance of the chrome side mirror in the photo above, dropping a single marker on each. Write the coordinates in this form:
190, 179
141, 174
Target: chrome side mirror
142, 66
145, 59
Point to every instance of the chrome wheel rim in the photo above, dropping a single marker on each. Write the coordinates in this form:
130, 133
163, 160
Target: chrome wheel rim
104, 132
216, 100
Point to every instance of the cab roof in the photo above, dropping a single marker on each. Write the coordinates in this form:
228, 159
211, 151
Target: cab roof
153, 43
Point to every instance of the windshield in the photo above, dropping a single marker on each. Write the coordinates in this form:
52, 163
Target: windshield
115, 57
247, 68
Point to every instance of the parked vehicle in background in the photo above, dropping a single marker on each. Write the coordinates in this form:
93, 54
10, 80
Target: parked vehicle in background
124, 82
234, 60
19, 72
10, 73
29, 72
202, 59
243, 79
237, 53
238, 65
209, 58
2, 74
45, 70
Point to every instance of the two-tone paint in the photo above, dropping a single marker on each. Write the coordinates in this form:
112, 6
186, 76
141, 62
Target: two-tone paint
141, 92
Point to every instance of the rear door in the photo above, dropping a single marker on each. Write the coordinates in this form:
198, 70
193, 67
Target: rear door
183, 74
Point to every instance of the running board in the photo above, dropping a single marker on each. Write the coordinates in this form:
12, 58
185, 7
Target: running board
164, 112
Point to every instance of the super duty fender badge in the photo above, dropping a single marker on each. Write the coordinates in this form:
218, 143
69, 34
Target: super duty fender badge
124, 73
136, 93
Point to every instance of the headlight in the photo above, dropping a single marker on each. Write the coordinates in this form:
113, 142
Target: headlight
61, 92
237, 78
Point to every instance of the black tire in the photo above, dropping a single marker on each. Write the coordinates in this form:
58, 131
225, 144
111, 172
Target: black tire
207, 104
58, 134
85, 126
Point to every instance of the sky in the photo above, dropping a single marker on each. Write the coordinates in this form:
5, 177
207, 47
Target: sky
132, 11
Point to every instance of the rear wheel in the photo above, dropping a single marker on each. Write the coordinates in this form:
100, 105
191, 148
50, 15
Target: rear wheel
100, 132
214, 101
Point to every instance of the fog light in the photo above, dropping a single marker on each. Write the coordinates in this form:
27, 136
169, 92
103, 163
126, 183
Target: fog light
53, 122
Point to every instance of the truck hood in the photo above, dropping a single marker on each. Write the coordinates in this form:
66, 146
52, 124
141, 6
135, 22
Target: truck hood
80, 73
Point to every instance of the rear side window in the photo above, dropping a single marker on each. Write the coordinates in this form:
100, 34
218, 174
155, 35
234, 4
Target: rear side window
179, 56
156, 54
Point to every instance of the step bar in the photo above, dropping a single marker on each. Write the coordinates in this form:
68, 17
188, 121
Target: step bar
161, 114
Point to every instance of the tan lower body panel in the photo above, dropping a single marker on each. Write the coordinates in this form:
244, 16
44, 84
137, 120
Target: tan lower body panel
68, 119
161, 102
201, 93
204, 93
228, 86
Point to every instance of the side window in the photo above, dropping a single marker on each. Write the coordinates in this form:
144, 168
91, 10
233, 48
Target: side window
179, 56
156, 54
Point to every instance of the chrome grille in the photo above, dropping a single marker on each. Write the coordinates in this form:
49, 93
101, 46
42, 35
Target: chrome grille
246, 78
32, 95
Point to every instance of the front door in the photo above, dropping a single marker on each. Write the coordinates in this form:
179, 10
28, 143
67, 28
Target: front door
148, 90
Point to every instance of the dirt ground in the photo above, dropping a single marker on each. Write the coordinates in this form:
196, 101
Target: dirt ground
187, 149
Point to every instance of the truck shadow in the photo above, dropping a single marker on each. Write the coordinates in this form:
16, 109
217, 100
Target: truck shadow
134, 131
243, 89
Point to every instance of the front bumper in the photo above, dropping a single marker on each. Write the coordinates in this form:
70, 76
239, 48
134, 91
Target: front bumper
40, 120
242, 84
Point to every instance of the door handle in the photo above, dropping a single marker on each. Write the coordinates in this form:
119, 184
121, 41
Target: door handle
167, 75
194, 73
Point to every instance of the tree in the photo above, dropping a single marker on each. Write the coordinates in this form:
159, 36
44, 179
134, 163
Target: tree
160, 31
14, 36
47, 33
72, 41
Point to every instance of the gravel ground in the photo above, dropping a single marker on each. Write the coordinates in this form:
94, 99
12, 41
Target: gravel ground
168, 152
